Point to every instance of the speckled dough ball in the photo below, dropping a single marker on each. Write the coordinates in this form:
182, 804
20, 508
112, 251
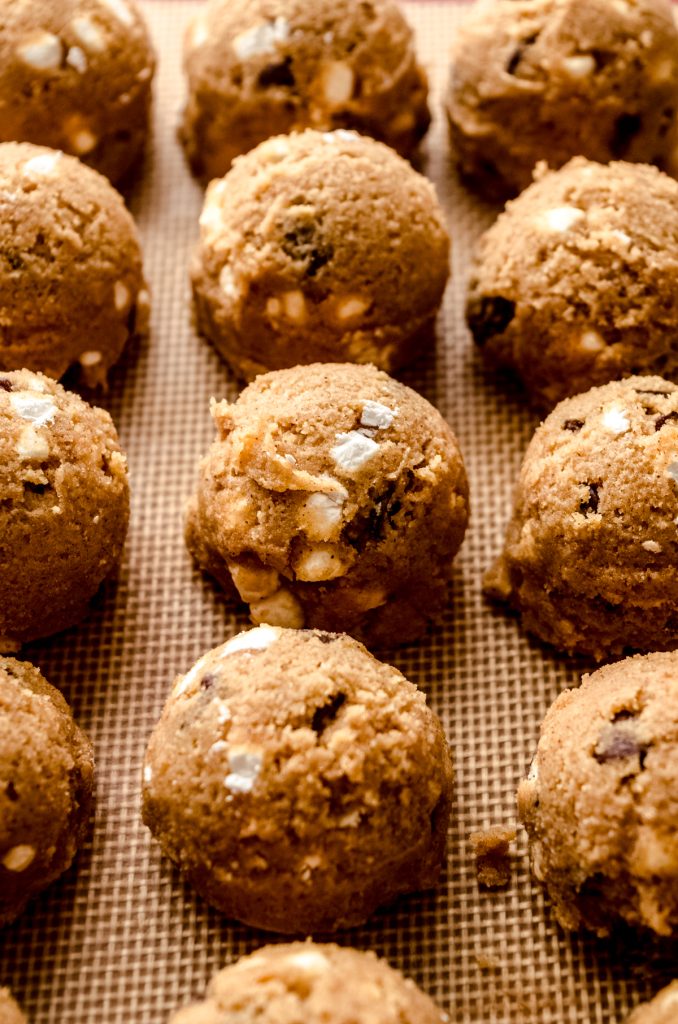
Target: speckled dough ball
660, 1010
317, 984
298, 782
46, 779
76, 75
10, 1013
72, 289
550, 79
591, 552
258, 68
333, 497
64, 506
600, 804
575, 283
320, 247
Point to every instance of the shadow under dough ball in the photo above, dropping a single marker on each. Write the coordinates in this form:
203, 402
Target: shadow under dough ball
600, 803
46, 786
332, 497
72, 290
590, 558
575, 282
64, 506
320, 247
298, 782
550, 79
76, 76
311, 982
258, 68
660, 1010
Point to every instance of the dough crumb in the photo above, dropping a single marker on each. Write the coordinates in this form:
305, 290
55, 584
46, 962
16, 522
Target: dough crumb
493, 858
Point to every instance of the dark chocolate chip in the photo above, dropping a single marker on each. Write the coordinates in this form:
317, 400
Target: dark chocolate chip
15, 261
626, 128
573, 425
664, 419
5, 385
616, 744
591, 503
303, 243
208, 681
277, 74
643, 391
625, 715
372, 525
10, 792
519, 52
35, 488
489, 316
327, 638
325, 715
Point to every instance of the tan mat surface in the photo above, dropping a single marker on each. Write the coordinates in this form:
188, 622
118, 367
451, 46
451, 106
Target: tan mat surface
120, 938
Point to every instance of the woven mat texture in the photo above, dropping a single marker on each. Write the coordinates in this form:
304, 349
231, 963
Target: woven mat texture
120, 938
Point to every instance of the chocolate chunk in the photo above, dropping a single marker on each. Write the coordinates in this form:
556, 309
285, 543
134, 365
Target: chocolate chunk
372, 525
519, 52
277, 74
626, 128
573, 425
489, 316
10, 792
325, 715
304, 243
5, 385
35, 488
664, 419
617, 743
591, 503
208, 681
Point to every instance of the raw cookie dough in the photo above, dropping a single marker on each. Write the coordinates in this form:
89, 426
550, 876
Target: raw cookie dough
600, 803
320, 247
72, 289
333, 497
663, 1009
258, 68
10, 1013
298, 782
550, 79
64, 505
46, 780
591, 552
76, 75
313, 983
575, 283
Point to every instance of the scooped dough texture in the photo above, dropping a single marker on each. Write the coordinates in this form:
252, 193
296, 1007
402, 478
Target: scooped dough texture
258, 68
72, 290
10, 1012
333, 497
314, 984
591, 558
549, 79
660, 1010
575, 283
601, 801
76, 75
298, 782
46, 778
320, 246
64, 505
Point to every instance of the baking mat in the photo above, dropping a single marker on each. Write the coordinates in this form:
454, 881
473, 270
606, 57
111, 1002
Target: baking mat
120, 938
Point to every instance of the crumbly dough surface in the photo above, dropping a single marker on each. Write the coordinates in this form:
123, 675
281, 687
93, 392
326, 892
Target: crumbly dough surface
10, 1012
333, 497
600, 803
298, 782
574, 284
76, 76
590, 558
663, 1009
258, 68
64, 505
549, 79
72, 290
46, 780
320, 247
311, 983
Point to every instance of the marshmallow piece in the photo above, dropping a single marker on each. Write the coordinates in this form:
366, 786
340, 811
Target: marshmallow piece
245, 766
580, 66
31, 445
591, 341
337, 82
90, 358
351, 306
120, 10
259, 639
41, 50
88, 33
37, 409
321, 514
76, 58
261, 39
353, 450
45, 163
562, 218
319, 564
615, 421
294, 305
281, 609
19, 857
376, 415
254, 583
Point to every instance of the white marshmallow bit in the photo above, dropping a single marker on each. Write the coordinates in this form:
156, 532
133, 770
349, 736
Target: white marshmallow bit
562, 218
258, 639
227, 282
318, 565
223, 712
148, 773
245, 766
41, 50
591, 341
184, 682
31, 445
652, 546
337, 82
353, 451
37, 409
261, 39
19, 857
90, 358
352, 306
615, 421
340, 135
83, 141
198, 33
281, 608
121, 296
88, 33
44, 164
311, 960
76, 58
120, 10
375, 414
322, 513
294, 305
580, 66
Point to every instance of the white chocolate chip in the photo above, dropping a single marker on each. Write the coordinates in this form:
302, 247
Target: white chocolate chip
227, 282
259, 639
294, 305
148, 773
261, 39
254, 583
321, 515
90, 358
41, 50
353, 451
76, 58
652, 546
591, 341
318, 565
375, 414
19, 857
309, 960
120, 10
580, 66
615, 421
340, 135
37, 409
245, 766
82, 140
45, 163
351, 306
31, 445
337, 81
562, 218
121, 296
88, 33
281, 608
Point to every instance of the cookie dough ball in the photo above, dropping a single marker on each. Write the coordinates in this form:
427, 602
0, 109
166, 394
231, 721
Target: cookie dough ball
72, 290
258, 68
298, 782
600, 803
319, 984
661, 1010
10, 1013
591, 552
64, 505
550, 79
574, 284
76, 76
46, 779
320, 247
334, 497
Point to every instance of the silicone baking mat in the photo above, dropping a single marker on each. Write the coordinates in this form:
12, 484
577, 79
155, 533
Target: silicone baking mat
120, 938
